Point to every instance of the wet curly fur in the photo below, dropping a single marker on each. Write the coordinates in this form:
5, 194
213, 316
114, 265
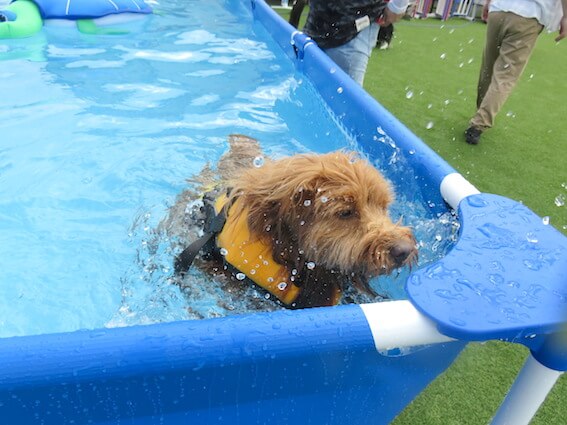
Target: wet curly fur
329, 209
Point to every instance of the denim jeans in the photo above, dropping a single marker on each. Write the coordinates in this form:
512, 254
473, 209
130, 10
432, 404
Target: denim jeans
353, 56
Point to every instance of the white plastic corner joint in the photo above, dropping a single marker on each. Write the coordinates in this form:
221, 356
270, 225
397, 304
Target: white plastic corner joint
454, 188
398, 324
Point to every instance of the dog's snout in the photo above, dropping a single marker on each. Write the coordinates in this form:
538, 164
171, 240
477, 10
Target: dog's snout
400, 251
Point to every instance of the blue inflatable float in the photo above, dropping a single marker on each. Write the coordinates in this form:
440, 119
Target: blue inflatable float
23, 18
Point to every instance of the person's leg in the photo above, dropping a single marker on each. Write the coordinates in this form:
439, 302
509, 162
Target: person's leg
385, 35
296, 11
520, 36
494, 35
353, 56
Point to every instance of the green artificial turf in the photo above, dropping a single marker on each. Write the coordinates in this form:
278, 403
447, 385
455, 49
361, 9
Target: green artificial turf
428, 80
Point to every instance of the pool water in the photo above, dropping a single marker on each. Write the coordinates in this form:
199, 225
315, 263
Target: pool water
99, 134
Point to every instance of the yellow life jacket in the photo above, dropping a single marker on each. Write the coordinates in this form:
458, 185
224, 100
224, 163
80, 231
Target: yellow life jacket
253, 257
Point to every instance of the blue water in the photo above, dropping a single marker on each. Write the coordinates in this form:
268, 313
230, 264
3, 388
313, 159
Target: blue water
98, 134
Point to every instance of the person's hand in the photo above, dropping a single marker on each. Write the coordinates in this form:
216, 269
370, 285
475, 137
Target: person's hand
389, 18
562, 29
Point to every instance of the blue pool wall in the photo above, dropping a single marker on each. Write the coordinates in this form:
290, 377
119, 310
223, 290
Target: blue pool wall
365, 119
317, 366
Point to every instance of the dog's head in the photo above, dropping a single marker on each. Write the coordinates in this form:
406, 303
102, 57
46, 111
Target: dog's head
327, 210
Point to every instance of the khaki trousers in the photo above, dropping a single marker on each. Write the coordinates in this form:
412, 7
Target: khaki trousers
510, 39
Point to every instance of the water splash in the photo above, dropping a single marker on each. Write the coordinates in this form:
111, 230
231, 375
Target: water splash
258, 161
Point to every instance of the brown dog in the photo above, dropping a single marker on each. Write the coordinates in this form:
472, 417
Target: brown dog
304, 226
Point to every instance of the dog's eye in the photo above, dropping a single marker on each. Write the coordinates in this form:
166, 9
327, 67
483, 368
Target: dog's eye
344, 214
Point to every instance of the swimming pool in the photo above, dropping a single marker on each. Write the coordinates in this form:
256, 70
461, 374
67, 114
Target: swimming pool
96, 149
101, 135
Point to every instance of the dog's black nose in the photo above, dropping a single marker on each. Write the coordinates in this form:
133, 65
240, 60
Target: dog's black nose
400, 251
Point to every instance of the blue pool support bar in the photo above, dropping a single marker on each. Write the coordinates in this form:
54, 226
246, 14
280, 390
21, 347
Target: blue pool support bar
355, 363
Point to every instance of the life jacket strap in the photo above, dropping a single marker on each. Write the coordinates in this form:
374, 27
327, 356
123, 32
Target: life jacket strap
214, 226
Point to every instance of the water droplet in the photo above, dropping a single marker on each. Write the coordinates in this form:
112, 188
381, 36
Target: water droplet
560, 200
223, 251
434, 39
379, 130
282, 286
307, 202
339, 90
443, 56
452, 31
324, 199
310, 265
430, 106
531, 238
470, 60
253, 271
411, 152
333, 70
545, 220
461, 64
447, 101
258, 161
471, 40
267, 296
429, 125
506, 65
510, 114
240, 276
409, 94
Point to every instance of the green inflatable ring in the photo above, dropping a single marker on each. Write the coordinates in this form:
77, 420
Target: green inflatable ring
28, 20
